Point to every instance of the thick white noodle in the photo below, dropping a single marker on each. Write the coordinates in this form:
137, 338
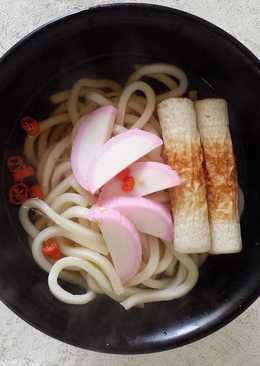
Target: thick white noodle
52, 159
29, 148
42, 144
172, 70
172, 268
149, 108
81, 235
66, 296
68, 198
98, 98
63, 96
60, 172
165, 261
87, 195
173, 291
102, 262
41, 163
37, 243
92, 284
85, 83
157, 284
163, 78
145, 247
26, 223
61, 188
150, 266
36, 247
43, 263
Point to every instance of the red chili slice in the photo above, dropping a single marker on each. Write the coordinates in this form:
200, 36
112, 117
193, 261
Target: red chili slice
128, 184
24, 172
36, 191
123, 174
15, 162
18, 193
51, 249
30, 125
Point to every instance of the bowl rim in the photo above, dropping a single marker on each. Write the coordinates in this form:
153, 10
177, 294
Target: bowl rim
168, 343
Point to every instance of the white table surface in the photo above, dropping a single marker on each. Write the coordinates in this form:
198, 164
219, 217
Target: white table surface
238, 343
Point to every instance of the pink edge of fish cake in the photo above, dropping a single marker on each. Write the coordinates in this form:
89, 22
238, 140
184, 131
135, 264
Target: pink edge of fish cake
165, 175
154, 140
81, 172
149, 217
126, 259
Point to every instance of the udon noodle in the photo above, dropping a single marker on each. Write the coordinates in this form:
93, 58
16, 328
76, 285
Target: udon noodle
164, 274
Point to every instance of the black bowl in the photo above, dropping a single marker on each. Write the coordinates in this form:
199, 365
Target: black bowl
106, 42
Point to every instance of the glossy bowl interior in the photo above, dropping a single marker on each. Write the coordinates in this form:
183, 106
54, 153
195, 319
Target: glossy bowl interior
107, 42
